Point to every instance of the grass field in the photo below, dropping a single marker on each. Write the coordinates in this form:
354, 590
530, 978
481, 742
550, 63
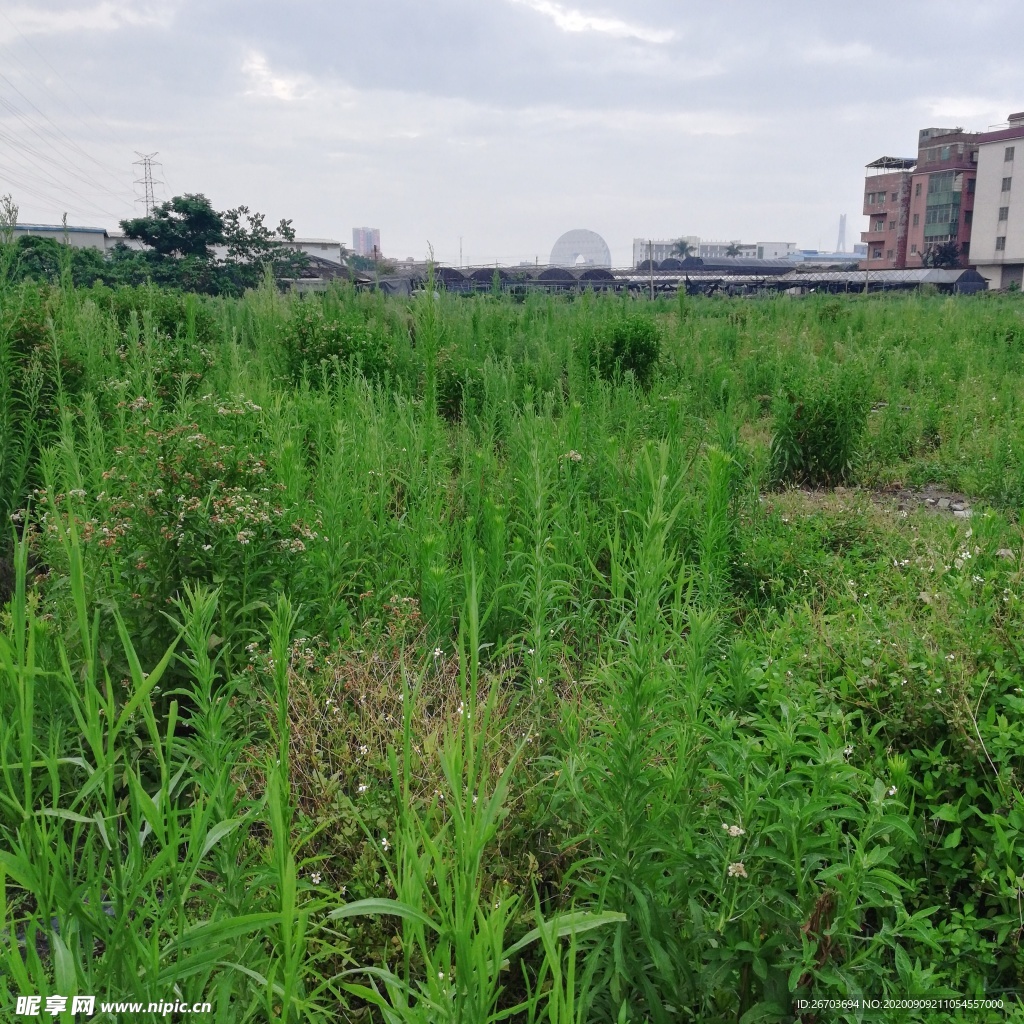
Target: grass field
475, 660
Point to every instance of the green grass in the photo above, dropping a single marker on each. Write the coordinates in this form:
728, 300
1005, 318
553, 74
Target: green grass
447, 659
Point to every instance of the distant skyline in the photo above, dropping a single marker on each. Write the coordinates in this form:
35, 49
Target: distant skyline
504, 123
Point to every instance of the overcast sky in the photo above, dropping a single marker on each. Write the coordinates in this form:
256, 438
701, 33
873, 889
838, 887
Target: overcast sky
503, 122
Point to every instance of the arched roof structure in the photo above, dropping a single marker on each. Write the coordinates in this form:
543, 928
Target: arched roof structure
581, 248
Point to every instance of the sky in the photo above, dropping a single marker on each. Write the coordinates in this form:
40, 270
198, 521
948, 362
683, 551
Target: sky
492, 126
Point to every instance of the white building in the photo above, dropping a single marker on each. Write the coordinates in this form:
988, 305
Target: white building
77, 238
659, 249
997, 227
118, 237
325, 248
775, 250
711, 250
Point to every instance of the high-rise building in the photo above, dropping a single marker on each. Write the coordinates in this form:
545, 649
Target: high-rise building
366, 241
997, 236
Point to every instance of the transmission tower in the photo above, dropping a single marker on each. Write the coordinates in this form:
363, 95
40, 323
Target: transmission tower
841, 244
146, 164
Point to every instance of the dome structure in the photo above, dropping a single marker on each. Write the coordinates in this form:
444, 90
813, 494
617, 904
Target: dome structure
581, 248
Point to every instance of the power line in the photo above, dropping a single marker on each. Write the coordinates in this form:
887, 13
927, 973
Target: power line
40, 82
48, 138
28, 44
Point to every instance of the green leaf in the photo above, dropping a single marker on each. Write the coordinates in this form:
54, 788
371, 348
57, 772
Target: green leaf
391, 908
953, 839
218, 832
227, 928
574, 923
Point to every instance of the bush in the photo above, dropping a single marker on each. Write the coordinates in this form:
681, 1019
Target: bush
634, 344
312, 337
816, 434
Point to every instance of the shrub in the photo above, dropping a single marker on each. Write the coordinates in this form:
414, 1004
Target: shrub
633, 344
817, 432
313, 337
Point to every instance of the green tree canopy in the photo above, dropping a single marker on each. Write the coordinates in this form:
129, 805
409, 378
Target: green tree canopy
183, 226
943, 255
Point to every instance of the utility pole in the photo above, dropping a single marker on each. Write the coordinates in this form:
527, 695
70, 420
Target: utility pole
146, 180
650, 264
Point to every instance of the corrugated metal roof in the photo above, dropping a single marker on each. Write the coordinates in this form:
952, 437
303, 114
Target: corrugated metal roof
59, 228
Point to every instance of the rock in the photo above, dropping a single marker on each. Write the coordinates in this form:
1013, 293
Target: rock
930, 501
943, 502
925, 596
962, 513
957, 506
1004, 553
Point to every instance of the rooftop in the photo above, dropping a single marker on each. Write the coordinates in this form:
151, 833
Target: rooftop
894, 163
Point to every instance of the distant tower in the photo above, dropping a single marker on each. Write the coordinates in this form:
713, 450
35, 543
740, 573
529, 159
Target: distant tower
145, 164
841, 244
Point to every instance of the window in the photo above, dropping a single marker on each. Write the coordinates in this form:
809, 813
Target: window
913, 248
1004, 213
968, 217
894, 196
1008, 155
970, 185
917, 216
1000, 243
888, 254
1007, 182
892, 225
880, 224
876, 254
917, 189
940, 214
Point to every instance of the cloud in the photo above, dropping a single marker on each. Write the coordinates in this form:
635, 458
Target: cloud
264, 82
102, 17
821, 52
568, 19
978, 111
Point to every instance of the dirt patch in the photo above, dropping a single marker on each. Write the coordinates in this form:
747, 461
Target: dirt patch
932, 498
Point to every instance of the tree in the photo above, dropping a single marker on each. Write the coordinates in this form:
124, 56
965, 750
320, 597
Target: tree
181, 233
682, 249
732, 249
943, 255
252, 247
183, 226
